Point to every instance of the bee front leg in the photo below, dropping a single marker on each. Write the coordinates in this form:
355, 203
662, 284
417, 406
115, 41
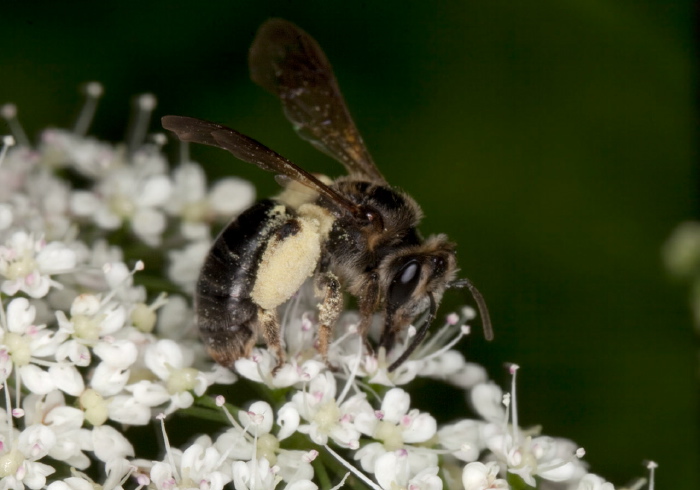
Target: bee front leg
329, 309
269, 324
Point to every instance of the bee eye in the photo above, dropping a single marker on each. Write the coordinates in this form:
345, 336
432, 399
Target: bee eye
404, 283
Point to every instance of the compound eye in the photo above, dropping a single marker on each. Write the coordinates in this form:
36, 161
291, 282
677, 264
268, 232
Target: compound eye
404, 283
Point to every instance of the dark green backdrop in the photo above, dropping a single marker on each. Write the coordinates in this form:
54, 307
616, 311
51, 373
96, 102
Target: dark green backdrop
553, 140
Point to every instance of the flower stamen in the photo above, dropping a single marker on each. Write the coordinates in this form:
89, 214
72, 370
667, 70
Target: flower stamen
354, 470
9, 114
93, 92
145, 103
7, 142
166, 442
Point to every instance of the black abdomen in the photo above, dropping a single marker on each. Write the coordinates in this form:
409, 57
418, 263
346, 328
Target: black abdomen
226, 314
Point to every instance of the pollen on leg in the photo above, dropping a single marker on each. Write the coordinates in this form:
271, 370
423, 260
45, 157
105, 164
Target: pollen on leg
289, 259
271, 332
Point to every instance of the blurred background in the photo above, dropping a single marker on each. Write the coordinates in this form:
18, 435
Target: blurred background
553, 141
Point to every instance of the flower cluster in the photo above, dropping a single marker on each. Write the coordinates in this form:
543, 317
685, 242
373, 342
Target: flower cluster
86, 351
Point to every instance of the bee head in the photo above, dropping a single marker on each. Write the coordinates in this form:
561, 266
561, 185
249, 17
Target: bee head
414, 280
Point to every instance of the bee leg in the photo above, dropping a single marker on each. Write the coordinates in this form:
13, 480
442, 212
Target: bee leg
270, 328
328, 310
368, 305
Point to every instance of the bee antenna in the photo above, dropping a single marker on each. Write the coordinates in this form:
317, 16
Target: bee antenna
419, 335
480, 303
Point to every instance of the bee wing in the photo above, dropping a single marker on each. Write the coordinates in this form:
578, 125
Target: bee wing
195, 130
288, 62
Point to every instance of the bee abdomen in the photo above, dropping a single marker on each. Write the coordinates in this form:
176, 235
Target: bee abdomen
226, 314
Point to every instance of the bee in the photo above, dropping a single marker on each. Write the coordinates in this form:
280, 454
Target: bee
356, 233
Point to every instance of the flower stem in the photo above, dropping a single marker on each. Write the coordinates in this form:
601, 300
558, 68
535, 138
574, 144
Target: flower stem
204, 414
324, 480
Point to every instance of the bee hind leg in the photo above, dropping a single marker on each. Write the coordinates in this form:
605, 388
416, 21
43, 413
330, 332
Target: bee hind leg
270, 327
329, 309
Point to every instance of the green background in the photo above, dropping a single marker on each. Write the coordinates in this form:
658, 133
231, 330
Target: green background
553, 140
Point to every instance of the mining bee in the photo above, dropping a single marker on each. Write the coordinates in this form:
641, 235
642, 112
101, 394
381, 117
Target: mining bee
355, 233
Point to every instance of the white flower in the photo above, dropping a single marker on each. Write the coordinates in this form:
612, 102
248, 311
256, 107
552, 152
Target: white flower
19, 164
171, 363
432, 358
117, 471
16, 472
254, 440
24, 343
594, 482
231, 196
108, 443
196, 209
518, 451
202, 465
162, 475
129, 410
546, 457
487, 400
185, 264
393, 471
120, 281
86, 351
176, 320
65, 424
328, 417
35, 441
463, 439
92, 318
27, 264
236, 444
92, 158
112, 374
258, 367
254, 475
295, 467
131, 194
396, 427
480, 476
292, 466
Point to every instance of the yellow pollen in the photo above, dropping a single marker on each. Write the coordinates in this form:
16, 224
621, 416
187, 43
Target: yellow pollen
195, 212
144, 318
21, 267
268, 445
327, 416
95, 407
182, 380
121, 206
19, 348
390, 435
10, 463
85, 327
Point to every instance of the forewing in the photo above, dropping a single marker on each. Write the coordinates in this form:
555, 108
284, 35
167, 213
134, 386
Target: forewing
195, 130
289, 63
